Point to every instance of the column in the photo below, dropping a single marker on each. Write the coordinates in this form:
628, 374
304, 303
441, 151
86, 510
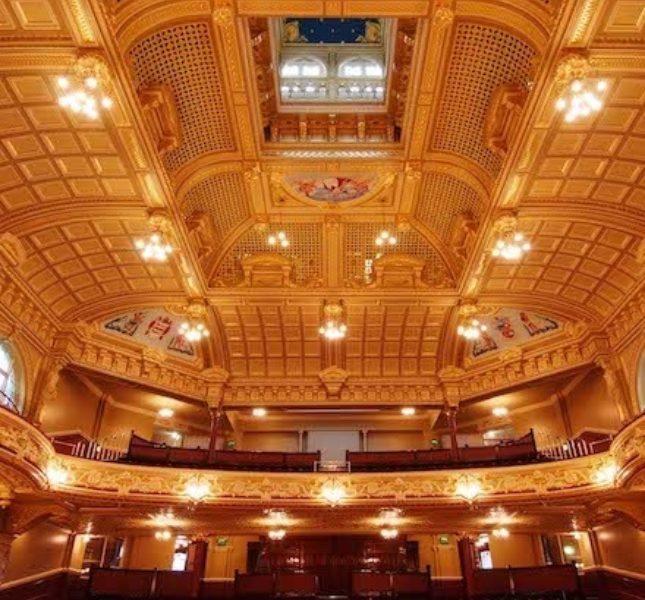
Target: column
215, 438
595, 547
363, 440
467, 562
451, 413
300, 440
5, 549
46, 389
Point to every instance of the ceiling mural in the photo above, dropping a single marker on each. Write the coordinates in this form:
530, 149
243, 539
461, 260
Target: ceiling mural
332, 188
153, 327
510, 327
332, 31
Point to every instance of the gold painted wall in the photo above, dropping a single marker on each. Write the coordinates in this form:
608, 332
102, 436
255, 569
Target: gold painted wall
395, 440
74, 408
120, 422
518, 550
146, 552
443, 559
277, 441
591, 407
622, 546
545, 420
38, 550
222, 561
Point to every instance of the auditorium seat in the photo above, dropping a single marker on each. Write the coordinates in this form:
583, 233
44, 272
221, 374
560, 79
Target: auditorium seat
254, 585
432, 458
411, 586
188, 456
120, 583
296, 585
491, 583
368, 584
555, 581
173, 585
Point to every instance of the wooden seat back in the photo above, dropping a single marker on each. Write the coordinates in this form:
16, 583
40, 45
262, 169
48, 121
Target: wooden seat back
491, 582
370, 584
296, 584
130, 583
254, 585
173, 584
551, 578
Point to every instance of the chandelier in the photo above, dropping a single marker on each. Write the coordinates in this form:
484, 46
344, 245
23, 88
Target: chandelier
154, 248
501, 532
581, 99
333, 327
197, 489
512, 247
193, 331
389, 533
276, 535
333, 494
468, 489
83, 90
385, 237
278, 239
471, 329
163, 535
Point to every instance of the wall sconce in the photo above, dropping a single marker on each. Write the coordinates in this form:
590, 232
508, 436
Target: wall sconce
57, 474
468, 489
333, 494
501, 532
606, 474
389, 533
275, 535
163, 535
197, 490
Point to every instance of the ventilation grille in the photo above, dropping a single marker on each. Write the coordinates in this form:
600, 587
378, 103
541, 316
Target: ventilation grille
483, 58
305, 251
442, 198
221, 197
359, 246
183, 58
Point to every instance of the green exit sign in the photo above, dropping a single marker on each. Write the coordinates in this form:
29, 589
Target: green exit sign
222, 541
444, 540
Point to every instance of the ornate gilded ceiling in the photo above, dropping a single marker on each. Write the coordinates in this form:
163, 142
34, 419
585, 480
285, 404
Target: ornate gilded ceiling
188, 140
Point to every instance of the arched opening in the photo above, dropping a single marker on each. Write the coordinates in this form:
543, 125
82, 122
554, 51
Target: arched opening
11, 394
303, 67
361, 67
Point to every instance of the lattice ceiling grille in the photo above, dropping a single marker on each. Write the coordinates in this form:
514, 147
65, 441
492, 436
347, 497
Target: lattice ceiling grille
359, 245
305, 250
221, 197
442, 198
184, 58
482, 59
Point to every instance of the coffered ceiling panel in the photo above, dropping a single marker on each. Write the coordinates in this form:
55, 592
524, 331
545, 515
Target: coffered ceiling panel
82, 261
184, 58
29, 18
587, 263
223, 198
482, 58
305, 252
47, 155
599, 160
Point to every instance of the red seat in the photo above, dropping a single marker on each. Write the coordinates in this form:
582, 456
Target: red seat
253, 585
370, 584
188, 456
173, 584
296, 584
303, 461
545, 580
431, 458
411, 585
491, 583
474, 454
129, 583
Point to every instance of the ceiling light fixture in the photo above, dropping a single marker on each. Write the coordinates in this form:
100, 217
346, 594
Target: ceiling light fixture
259, 412
500, 411
193, 331
277, 517
154, 248
163, 535
501, 532
408, 411
57, 474
471, 329
276, 535
197, 489
385, 238
606, 474
581, 99
389, 533
166, 413
512, 247
468, 489
278, 239
333, 327
84, 90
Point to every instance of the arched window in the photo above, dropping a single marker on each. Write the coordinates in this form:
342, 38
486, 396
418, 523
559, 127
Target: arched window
303, 67
9, 380
361, 67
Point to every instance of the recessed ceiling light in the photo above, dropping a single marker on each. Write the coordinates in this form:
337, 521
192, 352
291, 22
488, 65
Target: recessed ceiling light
166, 413
408, 411
500, 411
259, 412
